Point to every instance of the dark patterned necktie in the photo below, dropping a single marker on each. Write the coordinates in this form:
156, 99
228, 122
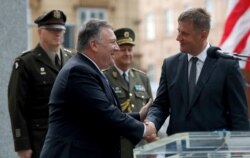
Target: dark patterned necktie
124, 76
192, 78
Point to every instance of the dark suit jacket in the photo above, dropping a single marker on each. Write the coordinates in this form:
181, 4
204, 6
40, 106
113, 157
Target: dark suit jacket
138, 91
29, 88
219, 101
85, 117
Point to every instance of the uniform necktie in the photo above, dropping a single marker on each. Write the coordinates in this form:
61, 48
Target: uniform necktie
192, 78
124, 76
57, 62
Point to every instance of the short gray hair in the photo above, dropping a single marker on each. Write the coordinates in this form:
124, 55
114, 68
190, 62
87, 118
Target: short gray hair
198, 16
91, 30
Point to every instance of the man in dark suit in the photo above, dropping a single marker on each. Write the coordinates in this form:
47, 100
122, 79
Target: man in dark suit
199, 92
85, 117
30, 84
131, 86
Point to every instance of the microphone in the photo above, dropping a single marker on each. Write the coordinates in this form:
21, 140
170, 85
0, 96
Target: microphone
227, 55
216, 52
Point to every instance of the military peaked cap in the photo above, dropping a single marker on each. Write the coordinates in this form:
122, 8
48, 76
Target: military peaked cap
125, 36
52, 19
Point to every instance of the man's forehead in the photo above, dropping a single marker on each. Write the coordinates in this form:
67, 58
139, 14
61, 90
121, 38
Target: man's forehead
187, 25
107, 34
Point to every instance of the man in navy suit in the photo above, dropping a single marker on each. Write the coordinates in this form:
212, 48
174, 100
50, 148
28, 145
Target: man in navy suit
215, 100
85, 116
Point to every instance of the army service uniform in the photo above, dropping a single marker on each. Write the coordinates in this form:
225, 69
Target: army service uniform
132, 95
29, 88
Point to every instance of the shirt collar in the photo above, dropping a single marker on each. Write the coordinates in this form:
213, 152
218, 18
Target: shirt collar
50, 54
92, 62
201, 56
120, 71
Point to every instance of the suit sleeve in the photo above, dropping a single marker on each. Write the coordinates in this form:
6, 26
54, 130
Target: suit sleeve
158, 112
237, 103
17, 96
149, 88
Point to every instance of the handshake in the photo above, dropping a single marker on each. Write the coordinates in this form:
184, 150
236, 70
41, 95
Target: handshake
150, 130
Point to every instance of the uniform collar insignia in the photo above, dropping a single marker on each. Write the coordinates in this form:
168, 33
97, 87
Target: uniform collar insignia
131, 73
114, 74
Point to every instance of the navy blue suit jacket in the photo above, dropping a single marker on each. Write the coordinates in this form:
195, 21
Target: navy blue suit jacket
219, 100
85, 118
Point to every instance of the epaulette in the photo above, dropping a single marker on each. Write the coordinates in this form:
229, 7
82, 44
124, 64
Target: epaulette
66, 50
17, 59
138, 70
25, 52
105, 69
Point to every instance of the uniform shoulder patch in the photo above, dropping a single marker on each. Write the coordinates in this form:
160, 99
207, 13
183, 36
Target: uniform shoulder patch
138, 70
17, 59
16, 62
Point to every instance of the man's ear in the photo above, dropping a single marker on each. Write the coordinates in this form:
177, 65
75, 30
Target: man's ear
39, 31
93, 45
204, 35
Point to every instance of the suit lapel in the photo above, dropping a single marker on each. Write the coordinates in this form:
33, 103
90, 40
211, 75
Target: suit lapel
207, 69
41, 55
183, 77
132, 81
119, 79
107, 87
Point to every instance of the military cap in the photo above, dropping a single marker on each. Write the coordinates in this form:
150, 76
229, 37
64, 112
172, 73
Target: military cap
125, 36
53, 19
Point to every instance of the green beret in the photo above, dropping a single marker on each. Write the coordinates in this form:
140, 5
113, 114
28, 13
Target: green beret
52, 19
125, 36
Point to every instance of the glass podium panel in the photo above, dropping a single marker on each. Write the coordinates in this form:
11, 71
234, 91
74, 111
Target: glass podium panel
223, 144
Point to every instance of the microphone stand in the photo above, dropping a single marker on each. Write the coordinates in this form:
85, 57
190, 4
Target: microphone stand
234, 54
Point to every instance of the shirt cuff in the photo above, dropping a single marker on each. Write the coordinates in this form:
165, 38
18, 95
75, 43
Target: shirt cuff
144, 132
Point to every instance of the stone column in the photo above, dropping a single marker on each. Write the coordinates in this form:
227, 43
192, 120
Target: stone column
13, 40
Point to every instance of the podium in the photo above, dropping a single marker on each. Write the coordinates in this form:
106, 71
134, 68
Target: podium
221, 144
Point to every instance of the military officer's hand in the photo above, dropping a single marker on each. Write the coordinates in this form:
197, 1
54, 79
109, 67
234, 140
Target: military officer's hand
25, 153
144, 110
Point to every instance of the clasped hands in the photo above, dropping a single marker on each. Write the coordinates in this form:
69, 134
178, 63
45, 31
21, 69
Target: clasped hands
150, 131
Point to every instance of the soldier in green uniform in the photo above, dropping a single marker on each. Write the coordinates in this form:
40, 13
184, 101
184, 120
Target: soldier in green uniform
131, 86
31, 80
